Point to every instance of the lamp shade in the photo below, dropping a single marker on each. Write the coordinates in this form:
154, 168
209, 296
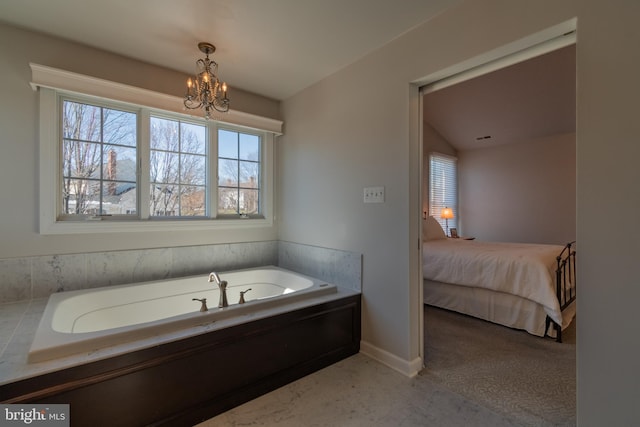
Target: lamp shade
447, 213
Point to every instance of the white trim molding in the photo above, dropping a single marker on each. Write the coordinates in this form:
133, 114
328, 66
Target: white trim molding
70, 82
409, 368
540, 43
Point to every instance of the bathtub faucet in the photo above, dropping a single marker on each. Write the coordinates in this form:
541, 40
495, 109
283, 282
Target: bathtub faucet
222, 285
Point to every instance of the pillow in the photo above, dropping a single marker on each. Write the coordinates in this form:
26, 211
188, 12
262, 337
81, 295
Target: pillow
432, 230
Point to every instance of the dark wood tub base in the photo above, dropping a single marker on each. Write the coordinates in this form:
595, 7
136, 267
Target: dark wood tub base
188, 381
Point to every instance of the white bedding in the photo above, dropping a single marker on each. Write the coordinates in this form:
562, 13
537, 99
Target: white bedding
525, 270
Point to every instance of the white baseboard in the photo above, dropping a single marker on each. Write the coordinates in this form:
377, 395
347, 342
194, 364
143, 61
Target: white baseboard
410, 368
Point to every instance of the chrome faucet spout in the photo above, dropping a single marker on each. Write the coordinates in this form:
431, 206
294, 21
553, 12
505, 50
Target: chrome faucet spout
213, 277
222, 285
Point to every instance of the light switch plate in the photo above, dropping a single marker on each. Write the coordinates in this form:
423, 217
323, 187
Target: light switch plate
374, 195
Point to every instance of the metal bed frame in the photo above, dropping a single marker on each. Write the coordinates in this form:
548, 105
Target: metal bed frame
565, 284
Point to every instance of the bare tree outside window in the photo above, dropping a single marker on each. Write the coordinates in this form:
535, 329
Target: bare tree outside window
100, 167
99, 158
178, 168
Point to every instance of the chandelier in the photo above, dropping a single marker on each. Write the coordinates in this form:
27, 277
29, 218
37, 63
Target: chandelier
205, 90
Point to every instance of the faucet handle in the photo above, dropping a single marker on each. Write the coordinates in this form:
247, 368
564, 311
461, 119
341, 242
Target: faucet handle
242, 301
203, 307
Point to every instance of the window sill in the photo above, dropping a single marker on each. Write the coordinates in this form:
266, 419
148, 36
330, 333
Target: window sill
106, 226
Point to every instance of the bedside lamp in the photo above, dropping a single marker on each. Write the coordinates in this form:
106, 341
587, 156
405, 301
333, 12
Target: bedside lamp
447, 214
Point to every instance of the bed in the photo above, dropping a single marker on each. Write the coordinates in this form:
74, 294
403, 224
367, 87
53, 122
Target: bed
519, 285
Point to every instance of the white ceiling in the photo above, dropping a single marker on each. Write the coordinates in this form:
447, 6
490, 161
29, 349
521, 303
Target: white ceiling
523, 102
273, 48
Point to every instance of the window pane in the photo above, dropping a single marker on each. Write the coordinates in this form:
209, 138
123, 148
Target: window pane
193, 170
192, 201
164, 200
249, 147
227, 201
120, 127
81, 121
228, 173
164, 134
194, 138
119, 198
248, 202
164, 167
249, 174
119, 163
81, 197
227, 144
80, 159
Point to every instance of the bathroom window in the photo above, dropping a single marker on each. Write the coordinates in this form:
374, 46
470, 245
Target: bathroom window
106, 177
110, 166
103, 179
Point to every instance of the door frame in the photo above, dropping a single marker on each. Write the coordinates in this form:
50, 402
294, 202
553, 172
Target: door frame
536, 44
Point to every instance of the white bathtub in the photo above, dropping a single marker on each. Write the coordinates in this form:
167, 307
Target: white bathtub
83, 321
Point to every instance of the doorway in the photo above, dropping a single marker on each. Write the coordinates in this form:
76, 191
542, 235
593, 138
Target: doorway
549, 40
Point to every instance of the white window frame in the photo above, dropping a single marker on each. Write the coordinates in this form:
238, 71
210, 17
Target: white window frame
260, 178
53, 83
435, 207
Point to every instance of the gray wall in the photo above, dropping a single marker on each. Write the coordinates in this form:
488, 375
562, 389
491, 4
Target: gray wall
434, 142
608, 177
350, 131
523, 192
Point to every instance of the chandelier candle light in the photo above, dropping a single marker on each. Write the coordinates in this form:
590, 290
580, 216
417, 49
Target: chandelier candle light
205, 90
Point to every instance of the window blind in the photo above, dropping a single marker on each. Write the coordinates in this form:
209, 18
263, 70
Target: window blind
443, 189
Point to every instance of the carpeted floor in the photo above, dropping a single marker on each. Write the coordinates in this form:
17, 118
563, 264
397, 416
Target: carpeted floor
511, 372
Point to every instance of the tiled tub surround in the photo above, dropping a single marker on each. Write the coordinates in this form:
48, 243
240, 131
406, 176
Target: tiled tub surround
37, 277
26, 283
343, 268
